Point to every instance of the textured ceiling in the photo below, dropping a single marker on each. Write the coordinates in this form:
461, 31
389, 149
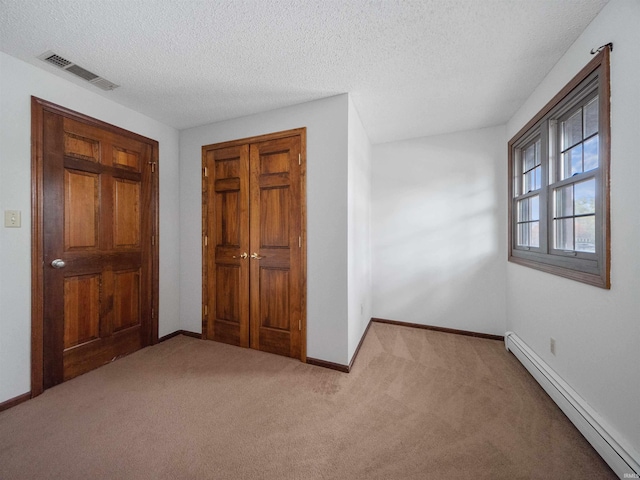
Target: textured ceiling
414, 68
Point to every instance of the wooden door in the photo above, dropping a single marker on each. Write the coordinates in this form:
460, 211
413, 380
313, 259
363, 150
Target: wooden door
254, 246
228, 273
98, 221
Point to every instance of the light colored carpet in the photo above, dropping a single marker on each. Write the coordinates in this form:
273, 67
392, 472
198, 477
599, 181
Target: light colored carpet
417, 405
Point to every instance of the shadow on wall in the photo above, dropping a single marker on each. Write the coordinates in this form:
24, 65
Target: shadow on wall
437, 259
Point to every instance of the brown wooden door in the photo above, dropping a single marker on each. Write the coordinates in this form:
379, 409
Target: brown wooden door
254, 268
98, 218
228, 278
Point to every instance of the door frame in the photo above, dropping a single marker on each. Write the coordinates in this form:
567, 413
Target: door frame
207, 262
38, 107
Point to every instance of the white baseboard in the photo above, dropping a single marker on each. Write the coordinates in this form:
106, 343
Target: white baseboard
622, 459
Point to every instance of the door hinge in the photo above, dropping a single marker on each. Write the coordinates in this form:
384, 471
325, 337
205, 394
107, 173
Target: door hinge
206, 310
153, 314
206, 240
299, 159
300, 324
153, 239
153, 166
299, 241
206, 172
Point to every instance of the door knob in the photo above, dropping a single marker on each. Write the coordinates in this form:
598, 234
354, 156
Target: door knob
256, 256
58, 263
243, 255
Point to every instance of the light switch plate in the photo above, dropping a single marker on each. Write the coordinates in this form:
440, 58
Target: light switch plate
12, 219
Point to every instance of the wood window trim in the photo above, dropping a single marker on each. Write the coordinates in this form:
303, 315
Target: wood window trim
544, 261
38, 107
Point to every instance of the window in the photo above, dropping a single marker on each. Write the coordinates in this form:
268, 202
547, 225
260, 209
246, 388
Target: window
559, 182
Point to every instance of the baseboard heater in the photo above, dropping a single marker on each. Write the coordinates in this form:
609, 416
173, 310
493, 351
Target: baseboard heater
622, 459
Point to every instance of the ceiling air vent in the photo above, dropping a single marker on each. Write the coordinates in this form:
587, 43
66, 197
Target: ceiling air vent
60, 62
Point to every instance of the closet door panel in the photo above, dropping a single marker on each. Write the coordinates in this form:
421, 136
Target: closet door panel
227, 233
275, 229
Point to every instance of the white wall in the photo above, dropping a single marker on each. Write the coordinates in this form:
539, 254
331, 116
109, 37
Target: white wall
18, 81
439, 223
597, 331
359, 230
326, 122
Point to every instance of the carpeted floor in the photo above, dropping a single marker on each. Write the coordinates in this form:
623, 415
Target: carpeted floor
418, 404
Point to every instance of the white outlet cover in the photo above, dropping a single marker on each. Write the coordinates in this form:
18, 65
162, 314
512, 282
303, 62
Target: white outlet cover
12, 219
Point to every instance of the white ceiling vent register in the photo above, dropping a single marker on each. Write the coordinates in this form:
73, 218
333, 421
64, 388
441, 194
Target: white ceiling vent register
60, 62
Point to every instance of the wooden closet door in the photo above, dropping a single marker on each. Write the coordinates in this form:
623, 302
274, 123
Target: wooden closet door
98, 223
253, 243
227, 191
275, 246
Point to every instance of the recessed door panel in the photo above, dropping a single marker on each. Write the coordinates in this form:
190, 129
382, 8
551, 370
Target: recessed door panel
274, 162
228, 294
81, 309
274, 217
274, 299
126, 299
82, 148
228, 218
128, 159
81, 210
126, 227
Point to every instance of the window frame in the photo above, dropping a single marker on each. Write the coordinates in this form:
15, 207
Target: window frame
586, 267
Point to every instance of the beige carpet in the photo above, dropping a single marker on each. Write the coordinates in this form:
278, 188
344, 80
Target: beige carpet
418, 405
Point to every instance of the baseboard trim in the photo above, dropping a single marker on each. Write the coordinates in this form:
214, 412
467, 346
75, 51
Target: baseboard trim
620, 457
186, 333
440, 329
355, 354
12, 402
323, 363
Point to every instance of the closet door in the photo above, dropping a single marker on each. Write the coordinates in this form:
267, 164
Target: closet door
253, 245
227, 203
275, 246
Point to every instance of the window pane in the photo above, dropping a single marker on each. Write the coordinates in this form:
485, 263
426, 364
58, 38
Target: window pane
564, 201
529, 157
591, 154
586, 234
529, 181
534, 234
534, 208
585, 197
572, 130
564, 234
523, 213
529, 209
538, 155
537, 180
523, 235
572, 162
591, 118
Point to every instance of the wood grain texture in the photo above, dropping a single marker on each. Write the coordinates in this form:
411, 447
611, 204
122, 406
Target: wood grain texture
226, 228
254, 202
82, 212
75, 173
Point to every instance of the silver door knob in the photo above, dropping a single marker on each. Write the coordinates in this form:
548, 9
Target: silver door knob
256, 256
58, 263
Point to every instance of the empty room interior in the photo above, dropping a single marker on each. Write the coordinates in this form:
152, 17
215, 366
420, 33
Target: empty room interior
319, 239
